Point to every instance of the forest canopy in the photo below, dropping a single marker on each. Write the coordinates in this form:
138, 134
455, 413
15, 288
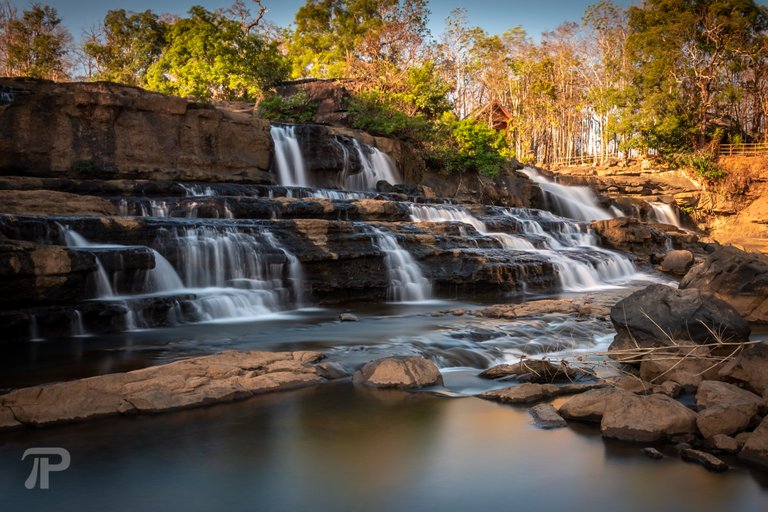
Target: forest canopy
663, 76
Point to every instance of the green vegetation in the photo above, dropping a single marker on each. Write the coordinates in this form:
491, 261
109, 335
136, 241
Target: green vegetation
669, 78
296, 108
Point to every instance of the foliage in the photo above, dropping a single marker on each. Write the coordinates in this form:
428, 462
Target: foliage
373, 113
705, 166
126, 46
209, 56
296, 108
34, 44
472, 146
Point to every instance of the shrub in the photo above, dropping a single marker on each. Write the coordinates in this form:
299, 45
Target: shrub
370, 112
296, 108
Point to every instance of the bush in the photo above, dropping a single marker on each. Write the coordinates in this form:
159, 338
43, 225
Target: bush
473, 145
297, 108
371, 113
705, 166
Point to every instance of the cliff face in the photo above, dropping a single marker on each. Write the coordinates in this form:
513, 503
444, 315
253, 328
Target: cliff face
111, 131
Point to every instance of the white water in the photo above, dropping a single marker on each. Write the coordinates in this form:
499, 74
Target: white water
289, 161
376, 166
665, 213
228, 274
571, 248
406, 281
574, 202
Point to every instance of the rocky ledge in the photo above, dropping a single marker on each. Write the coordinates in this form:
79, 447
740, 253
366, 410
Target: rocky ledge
188, 383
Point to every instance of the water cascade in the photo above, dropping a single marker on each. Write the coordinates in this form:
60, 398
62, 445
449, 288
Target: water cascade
289, 161
665, 213
568, 245
407, 283
577, 203
376, 165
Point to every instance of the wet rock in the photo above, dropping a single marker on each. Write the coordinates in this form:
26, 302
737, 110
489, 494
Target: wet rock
402, 372
755, 448
681, 368
750, 368
529, 393
48, 202
707, 460
741, 438
652, 453
658, 315
631, 235
737, 277
722, 443
348, 317
630, 417
588, 406
724, 408
546, 416
194, 382
670, 388
331, 371
534, 370
677, 262
586, 307
632, 383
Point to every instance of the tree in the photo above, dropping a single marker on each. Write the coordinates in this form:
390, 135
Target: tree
35, 43
126, 46
210, 56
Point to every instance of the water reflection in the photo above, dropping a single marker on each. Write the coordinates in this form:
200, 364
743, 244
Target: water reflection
340, 448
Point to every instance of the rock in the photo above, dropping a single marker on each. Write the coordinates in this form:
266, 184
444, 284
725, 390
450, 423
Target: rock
630, 417
741, 439
750, 367
707, 460
737, 277
677, 262
652, 453
632, 384
630, 235
658, 314
684, 372
545, 416
194, 382
331, 371
588, 406
49, 202
534, 370
755, 449
670, 388
7, 419
586, 307
402, 372
724, 408
348, 317
107, 130
722, 443
529, 393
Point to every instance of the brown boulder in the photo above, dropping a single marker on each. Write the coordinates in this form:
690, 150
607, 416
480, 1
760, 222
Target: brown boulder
755, 450
528, 393
534, 370
724, 408
749, 368
546, 416
677, 262
630, 417
402, 372
588, 406
737, 277
630, 235
660, 316
707, 460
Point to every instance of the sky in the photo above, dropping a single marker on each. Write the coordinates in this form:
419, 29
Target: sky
495, 16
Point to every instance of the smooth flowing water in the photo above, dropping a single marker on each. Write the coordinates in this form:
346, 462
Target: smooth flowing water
574, 202
407, 282
338, 448
665, 213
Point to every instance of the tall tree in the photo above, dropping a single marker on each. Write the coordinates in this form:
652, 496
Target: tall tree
36, 44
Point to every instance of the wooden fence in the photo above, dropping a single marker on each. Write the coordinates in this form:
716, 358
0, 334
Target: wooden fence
752, 149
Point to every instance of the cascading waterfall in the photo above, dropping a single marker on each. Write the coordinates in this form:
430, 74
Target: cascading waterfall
665, 213
220, 274
581, 265
407, 282
577, 203
289, 162
376, 166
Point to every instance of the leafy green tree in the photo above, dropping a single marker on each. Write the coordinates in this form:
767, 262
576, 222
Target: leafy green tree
211, 56
128, 44
36, 44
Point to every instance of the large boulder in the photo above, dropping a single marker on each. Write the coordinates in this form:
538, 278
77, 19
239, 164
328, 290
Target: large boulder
534, 370
402, 372
660, 316
631, 235
677, 263
529, 393
737, 277
631, 417
589, 406
755, 450
749, 368
724, 408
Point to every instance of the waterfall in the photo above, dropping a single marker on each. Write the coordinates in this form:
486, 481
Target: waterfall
574, 202
665, 213
406, 281
376, 165
570, 247
289, 162
218, 274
